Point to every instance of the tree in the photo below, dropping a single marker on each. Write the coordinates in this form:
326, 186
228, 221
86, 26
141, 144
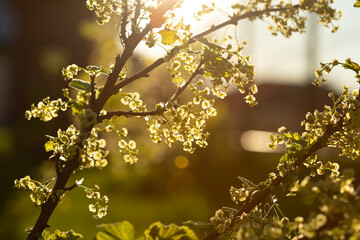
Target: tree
221, 64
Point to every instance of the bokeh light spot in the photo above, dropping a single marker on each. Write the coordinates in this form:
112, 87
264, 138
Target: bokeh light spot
181, 162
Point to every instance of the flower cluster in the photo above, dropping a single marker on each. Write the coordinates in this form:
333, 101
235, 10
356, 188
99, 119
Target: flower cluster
242, 194
98, 209
226, 65
184, 62
103, 9
70, 71
348, 139
222, 219
128, 148
40, 192
285, 17
342, 116
133, 101
337, 213
260, 224
65, 144
182, 123
46, 110
92, 153
60, 235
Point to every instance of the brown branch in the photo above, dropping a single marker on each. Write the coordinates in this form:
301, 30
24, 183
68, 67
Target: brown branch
48, 207
136, 15
129, 114
92, 90
124, 16
75, 185
259, 198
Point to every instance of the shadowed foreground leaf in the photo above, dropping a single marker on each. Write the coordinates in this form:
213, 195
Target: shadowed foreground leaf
119, 231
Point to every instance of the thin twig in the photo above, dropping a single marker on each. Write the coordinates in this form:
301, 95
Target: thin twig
181, 89
129, 114
92, 90
57, 166
136, 15
75, 185
124, 16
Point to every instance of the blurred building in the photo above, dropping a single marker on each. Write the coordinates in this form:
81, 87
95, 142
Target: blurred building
278, 105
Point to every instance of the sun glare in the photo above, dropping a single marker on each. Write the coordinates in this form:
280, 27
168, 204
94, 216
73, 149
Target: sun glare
186, 11
189, 7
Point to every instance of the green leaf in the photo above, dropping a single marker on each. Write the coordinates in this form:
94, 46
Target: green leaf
168, 36
79, 84
169, 232
357, 4
116, 231
49, 146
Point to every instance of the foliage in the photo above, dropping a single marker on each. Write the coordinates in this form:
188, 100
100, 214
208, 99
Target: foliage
207, 67
125, 231
70, 235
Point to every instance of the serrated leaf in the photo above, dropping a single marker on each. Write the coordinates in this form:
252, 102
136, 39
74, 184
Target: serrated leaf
168, 36
169, 232
116, 231
79, 84
357, 4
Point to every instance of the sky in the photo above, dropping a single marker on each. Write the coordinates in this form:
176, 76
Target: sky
279, 59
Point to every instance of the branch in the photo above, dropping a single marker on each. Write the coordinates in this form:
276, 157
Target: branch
129, 114
92, 90
136, 15
232, 21
125, 15
62, 177
75, 185
320, 143
181, 89
48, 207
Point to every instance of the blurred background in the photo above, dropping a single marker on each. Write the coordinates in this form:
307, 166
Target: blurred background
38, 38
